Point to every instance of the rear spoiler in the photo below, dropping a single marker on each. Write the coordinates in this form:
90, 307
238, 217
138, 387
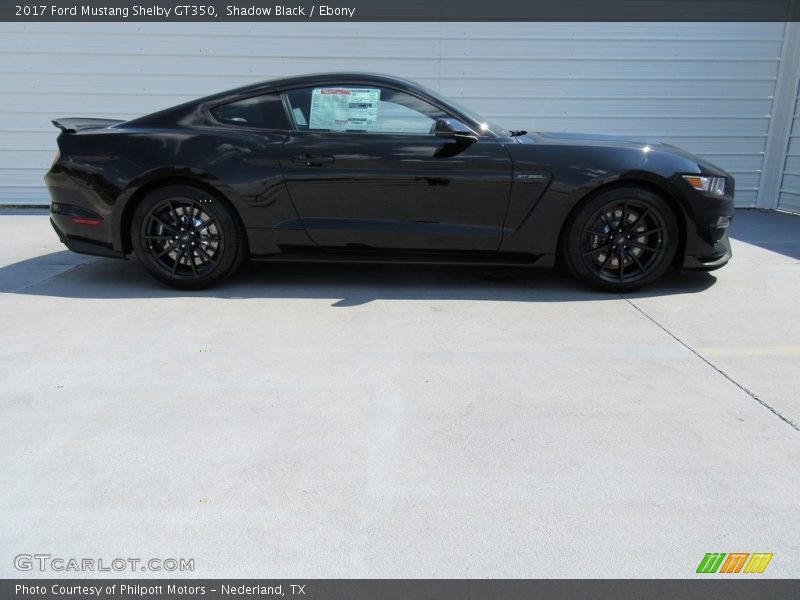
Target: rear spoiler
74, 125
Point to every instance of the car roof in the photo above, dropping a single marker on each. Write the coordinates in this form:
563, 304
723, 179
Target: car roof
179, 113
320, 78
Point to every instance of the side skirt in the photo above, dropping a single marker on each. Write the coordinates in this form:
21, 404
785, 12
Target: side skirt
545, 260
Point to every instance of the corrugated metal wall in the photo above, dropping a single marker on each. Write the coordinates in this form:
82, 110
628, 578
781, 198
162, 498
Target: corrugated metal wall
789, 194
706, 87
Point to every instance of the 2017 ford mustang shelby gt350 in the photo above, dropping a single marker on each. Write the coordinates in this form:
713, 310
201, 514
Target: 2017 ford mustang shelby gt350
353, 167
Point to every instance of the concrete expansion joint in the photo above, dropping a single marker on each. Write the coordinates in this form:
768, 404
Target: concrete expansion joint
752, 395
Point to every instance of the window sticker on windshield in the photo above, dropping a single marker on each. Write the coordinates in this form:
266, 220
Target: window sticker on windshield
341, 109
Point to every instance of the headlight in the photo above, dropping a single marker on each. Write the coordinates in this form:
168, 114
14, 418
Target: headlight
705, 183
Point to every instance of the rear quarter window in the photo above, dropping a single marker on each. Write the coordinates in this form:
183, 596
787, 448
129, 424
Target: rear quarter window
260, 111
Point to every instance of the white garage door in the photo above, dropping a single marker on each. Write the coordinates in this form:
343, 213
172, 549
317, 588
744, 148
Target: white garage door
705, 86
789, 191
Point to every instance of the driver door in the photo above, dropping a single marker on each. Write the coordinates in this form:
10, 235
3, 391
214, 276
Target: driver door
366, 171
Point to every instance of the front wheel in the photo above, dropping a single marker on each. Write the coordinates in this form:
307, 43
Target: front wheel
621, 239
186, 237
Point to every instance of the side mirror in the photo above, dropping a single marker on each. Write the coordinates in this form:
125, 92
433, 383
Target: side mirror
453, 128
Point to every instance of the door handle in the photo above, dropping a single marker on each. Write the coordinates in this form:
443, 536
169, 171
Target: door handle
312, 160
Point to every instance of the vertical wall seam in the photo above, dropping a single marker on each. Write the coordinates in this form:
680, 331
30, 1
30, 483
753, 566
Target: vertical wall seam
782, 113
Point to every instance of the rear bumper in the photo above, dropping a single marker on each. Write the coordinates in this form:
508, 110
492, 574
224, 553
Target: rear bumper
80, 244
81, 220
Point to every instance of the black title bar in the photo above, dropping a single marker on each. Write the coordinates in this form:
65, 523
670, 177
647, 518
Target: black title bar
401, 10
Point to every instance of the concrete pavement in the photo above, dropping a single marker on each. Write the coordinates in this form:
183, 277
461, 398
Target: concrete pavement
373, 421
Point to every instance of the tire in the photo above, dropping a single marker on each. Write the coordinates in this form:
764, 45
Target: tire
186, 237
621, 239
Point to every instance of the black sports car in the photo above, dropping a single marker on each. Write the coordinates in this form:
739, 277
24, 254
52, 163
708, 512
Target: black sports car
353, 167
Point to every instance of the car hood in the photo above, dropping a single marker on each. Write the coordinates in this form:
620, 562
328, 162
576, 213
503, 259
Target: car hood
594, 140
590, 139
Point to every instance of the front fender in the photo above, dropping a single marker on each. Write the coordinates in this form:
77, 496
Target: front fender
535, 221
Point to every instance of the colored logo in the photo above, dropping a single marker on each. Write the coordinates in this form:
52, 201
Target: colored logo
735, 562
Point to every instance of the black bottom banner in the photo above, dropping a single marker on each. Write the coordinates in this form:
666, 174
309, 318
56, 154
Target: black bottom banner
397, 589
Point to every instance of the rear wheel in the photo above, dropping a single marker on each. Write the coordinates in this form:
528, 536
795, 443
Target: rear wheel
621, 239
186, 237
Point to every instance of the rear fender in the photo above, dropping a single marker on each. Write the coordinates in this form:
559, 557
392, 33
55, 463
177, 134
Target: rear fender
128, 199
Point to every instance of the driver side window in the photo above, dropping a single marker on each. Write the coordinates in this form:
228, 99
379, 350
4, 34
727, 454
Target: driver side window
361, 109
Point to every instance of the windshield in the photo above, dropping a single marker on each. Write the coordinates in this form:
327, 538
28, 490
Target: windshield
468, 112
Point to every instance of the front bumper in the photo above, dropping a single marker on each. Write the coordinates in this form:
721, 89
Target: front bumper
719, 258
708, 217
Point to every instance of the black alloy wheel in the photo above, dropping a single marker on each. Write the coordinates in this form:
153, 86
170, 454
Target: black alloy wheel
621, 239
186, 237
